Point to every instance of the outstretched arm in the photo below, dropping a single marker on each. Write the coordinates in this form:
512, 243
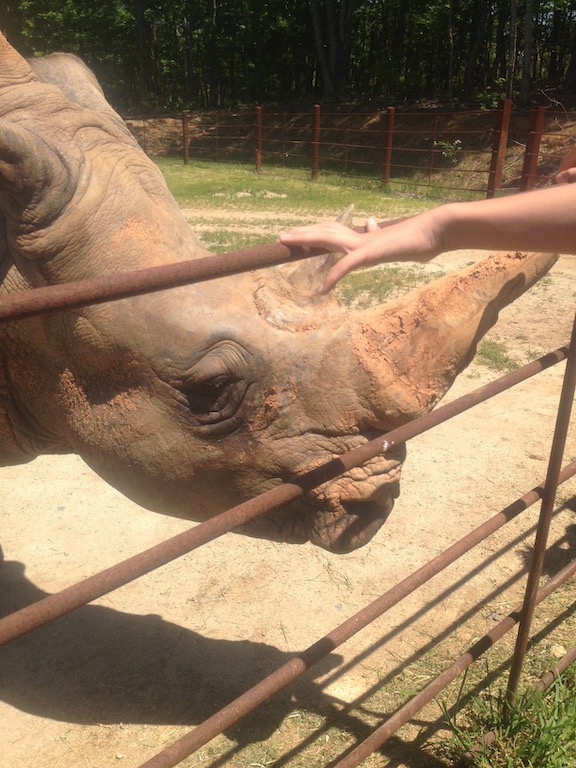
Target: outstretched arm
540, 220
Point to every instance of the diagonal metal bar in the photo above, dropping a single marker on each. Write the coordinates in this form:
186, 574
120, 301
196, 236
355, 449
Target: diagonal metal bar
60, 603
546, 512
406, 712
296, 667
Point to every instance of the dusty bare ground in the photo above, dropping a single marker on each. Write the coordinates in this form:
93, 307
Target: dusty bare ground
115, 682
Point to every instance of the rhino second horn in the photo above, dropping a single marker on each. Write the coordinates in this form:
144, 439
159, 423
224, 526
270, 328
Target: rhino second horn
413, 348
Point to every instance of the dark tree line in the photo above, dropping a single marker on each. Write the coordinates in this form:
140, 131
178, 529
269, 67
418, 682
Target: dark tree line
174, 53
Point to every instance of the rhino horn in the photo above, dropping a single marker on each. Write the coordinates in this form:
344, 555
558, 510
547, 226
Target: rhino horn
15, 69
305, 276
288, 297
413, 348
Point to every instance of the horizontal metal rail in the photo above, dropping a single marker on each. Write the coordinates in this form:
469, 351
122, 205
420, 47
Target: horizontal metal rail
60, 603
80, 293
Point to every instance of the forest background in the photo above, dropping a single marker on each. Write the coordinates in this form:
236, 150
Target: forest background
152, 55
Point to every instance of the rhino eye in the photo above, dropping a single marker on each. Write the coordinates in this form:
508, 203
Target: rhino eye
216, 386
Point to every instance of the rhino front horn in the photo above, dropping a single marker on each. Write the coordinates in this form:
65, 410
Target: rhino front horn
288, 297
413, 348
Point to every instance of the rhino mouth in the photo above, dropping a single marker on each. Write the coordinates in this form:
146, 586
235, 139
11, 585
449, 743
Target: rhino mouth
349, 525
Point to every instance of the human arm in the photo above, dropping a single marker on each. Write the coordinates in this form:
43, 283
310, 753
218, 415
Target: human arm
540, 220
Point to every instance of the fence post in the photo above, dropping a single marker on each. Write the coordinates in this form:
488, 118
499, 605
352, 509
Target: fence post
546, 512
388, 139
316, 141
258, 139
185, 137
499, 148
532, 148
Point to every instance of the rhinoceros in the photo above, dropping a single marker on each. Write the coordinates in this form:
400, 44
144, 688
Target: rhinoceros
194, 399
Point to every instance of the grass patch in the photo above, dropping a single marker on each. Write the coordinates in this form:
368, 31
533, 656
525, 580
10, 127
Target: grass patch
538, 731
368, 288
235, 186
494, 355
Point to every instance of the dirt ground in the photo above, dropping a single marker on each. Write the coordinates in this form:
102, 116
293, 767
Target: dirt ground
115, 682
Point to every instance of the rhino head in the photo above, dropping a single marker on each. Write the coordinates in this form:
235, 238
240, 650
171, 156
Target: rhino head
193, 399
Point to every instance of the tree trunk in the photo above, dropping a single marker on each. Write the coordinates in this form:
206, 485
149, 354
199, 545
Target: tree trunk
333, 38
511, 68
524, 98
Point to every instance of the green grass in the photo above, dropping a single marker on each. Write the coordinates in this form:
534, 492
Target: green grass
538, 731
237, 186
367, 288
494, 355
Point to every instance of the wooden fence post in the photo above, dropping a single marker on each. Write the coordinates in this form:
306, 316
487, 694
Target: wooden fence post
185, 137
316, 141
258, 139
388, 140
499, 148
533, 140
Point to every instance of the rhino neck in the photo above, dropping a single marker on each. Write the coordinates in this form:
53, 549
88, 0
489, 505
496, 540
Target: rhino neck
26, 423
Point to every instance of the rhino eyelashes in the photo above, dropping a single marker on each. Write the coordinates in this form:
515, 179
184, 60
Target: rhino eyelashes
215, 388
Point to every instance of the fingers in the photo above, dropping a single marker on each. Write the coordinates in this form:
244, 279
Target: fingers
331, 235
566, 177
337, 272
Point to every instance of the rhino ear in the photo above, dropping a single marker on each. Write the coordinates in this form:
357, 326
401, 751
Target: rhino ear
35, 183
15, 69
306, 276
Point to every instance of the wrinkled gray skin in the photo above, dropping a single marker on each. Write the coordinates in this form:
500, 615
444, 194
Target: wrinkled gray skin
192, 400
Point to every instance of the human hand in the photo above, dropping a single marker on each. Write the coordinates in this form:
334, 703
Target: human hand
409, 239
567, 169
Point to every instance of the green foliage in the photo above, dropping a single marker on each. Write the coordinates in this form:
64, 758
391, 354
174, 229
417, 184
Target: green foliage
494, 355
371, 287
538, 731
190, 53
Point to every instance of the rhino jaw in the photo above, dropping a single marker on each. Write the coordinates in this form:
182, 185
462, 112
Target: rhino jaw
349, 525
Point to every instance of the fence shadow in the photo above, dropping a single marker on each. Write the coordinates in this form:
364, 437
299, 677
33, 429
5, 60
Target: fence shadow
101, 665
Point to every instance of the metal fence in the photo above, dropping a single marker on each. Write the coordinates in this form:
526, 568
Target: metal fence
480, 152
91, 291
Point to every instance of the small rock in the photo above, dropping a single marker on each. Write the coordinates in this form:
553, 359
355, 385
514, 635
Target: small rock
558, 651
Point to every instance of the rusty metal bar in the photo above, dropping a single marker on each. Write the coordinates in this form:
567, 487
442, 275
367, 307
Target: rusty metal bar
561, 666
388, 143
316, 142
258, 139
185, 137
112, 287
95, 586
532, 150
408, 710
546, 512
287, 673
499, 148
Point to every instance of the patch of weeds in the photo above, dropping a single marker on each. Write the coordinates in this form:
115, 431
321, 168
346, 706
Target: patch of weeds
538, 730
370, 287
494, 355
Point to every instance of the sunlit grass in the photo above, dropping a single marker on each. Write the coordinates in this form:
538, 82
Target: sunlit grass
234, 186
537, 731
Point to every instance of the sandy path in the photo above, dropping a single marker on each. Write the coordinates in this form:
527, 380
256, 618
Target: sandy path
114, 682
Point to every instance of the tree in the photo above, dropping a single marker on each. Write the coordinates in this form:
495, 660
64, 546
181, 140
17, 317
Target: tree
332, 24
